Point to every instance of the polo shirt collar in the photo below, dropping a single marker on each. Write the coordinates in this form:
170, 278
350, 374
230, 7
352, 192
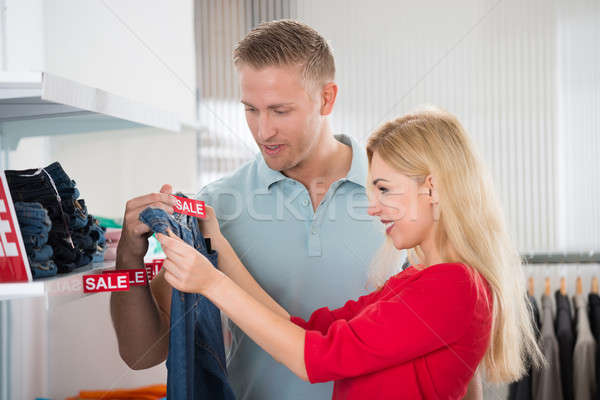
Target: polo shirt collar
357, 173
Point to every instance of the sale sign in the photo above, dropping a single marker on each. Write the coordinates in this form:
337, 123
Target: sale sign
153, 268
14, 266
115, 282
195, 208
137, 277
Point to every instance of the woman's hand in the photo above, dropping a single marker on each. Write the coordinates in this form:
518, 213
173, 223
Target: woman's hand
185, 268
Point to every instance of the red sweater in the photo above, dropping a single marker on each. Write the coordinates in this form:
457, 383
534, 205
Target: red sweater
421, 336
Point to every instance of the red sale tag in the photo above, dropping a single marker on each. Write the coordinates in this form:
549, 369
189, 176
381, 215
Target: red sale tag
137, 277
192, 207
153, 268
106, 282
14, 265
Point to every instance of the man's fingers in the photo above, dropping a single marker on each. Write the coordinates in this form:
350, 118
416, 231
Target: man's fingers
147, 199
166, 188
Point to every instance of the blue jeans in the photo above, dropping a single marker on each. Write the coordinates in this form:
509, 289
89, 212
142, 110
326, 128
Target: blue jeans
42, 270
196, 362
41, 254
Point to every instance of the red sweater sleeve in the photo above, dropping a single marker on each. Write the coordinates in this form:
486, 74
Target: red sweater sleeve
321, 319
428, 313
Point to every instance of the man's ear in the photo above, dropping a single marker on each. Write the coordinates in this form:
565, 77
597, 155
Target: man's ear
328, 96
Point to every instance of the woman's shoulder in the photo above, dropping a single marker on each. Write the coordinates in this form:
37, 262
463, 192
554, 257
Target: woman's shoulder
455, 277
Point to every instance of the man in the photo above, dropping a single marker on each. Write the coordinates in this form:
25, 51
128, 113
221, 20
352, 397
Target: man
296, 215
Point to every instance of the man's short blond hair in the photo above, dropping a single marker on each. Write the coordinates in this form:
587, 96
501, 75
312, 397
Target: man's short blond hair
286, 43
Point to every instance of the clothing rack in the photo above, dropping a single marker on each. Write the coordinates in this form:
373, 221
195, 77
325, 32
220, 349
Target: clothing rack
591, 257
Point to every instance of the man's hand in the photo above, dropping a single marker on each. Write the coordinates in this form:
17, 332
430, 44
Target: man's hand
134, 237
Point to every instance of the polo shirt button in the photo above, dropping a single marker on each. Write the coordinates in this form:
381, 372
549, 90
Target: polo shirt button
304, 202
314, 231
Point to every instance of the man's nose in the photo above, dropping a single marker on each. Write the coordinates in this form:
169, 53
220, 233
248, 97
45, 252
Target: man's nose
265, 128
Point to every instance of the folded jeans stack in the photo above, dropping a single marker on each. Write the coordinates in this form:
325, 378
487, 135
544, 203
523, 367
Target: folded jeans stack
36, 185
35, 226
88, 236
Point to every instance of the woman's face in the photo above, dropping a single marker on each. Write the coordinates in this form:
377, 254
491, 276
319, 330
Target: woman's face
401, 204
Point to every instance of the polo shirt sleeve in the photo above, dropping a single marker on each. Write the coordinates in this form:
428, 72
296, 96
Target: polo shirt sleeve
321, 319
429, 313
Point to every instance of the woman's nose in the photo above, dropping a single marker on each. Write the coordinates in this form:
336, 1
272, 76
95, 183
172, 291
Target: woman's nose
373, 208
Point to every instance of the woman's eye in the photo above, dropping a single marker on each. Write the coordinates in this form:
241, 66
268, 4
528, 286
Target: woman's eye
382, 189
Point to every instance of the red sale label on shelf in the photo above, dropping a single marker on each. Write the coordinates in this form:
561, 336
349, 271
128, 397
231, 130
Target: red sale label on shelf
14, 266
137, 277
118, 281
195, 208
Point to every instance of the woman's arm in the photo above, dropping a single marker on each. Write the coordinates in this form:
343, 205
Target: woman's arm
230, 265
275, 333
267, 324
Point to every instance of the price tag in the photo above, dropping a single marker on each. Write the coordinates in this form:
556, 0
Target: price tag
115, 282
153, 268
137, 277
195, 208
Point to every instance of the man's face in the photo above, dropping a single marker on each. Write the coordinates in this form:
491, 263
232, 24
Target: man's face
282, 115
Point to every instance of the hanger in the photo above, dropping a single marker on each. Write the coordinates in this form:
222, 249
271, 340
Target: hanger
530, 286
578, 286
563, 286
547, 289
594, 285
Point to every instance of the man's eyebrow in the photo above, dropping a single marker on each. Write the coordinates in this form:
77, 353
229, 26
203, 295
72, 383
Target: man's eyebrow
271, 106
379, 180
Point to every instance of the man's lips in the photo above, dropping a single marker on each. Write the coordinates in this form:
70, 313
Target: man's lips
272, 149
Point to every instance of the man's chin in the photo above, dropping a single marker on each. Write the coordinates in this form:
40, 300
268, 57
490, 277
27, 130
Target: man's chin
277, 164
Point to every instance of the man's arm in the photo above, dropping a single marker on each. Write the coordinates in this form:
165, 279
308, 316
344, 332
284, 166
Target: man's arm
475, 389
141, 315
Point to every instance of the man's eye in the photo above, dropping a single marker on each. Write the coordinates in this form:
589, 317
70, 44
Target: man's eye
281, 112
250, 109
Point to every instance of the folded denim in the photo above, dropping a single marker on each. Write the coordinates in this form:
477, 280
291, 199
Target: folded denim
77, 213
36, 185
31, 211
40, 254
42, 270
196, 366
34, 240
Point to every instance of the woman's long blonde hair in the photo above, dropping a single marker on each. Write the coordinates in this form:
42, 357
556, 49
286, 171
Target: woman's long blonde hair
471, 228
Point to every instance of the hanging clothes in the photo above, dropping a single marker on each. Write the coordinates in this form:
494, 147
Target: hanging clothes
584, 355
594, 314
546, 382
566, 342
522, 389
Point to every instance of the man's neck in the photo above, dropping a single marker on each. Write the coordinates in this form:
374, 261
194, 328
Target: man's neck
330, 161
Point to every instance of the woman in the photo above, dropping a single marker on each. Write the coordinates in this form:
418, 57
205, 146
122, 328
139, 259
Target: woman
424, 332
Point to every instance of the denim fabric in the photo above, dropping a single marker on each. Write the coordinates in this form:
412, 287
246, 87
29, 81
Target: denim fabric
66, 186
77, 213
37, 185
34, 240
196, 361
41, 254
42, 270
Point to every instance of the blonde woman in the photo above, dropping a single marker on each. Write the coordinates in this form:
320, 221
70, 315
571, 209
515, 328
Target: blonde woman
424, 331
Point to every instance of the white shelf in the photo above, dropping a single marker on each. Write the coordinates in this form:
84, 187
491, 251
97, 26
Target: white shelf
57, 289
